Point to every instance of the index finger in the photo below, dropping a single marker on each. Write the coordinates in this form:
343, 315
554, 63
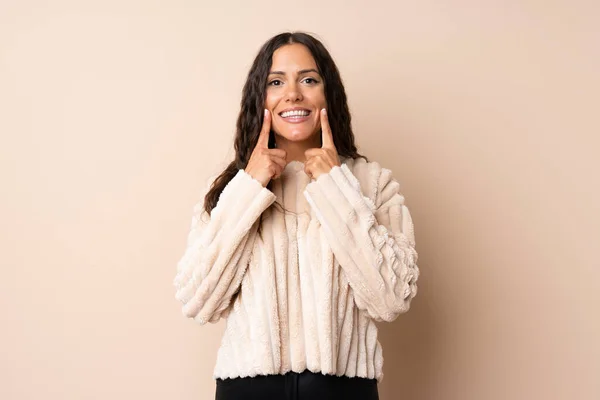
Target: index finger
326, 136
263, 138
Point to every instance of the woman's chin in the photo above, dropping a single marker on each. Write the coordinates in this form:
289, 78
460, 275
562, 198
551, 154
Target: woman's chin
295, 135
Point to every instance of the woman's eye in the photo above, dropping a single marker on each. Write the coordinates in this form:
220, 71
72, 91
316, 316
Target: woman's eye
275, 82
310, 80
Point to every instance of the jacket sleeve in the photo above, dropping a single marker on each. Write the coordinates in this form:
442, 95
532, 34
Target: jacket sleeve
374, 245
218, 248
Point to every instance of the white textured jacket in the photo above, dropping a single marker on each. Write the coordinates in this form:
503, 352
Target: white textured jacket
306, 291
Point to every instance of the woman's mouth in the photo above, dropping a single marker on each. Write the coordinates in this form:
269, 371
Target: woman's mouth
295, 116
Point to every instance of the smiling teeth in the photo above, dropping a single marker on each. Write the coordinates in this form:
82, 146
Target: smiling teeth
295, 113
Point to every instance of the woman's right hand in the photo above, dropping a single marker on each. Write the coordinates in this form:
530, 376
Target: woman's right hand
266, 164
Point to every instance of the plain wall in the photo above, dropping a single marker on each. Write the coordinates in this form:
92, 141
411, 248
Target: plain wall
113, 114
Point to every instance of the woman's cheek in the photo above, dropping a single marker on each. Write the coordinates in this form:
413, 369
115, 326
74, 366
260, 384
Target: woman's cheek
275, 127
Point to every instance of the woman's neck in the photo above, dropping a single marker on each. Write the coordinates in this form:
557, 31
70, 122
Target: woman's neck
295, 149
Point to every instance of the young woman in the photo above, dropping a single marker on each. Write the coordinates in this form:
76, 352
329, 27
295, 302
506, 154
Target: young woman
301, 243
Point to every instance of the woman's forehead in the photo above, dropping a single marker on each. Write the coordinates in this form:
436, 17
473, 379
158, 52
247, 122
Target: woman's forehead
293, 58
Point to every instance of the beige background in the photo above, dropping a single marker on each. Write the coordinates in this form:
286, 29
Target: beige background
114, 113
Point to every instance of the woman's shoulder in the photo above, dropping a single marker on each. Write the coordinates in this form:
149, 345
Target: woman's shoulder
374, 179
361, 165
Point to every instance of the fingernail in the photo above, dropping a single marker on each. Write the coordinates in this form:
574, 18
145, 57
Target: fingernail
324, 111
266, 112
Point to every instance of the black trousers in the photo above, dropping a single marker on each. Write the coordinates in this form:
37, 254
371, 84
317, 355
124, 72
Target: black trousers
306, 385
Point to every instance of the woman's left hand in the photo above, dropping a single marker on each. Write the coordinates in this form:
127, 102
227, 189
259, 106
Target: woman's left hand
321, 160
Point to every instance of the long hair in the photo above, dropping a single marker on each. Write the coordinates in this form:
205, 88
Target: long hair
251, 115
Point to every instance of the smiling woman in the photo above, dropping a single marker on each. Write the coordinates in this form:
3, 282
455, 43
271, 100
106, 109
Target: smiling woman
300, 285
295, 96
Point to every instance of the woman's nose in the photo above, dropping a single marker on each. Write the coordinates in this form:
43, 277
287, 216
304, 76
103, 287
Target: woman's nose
293, 93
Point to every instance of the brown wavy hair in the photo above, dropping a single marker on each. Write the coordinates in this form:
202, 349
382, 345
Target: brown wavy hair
250, 118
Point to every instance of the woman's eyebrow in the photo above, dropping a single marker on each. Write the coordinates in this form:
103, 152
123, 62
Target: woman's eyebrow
303, 71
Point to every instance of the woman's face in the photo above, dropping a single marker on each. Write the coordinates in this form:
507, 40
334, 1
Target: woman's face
295, 93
